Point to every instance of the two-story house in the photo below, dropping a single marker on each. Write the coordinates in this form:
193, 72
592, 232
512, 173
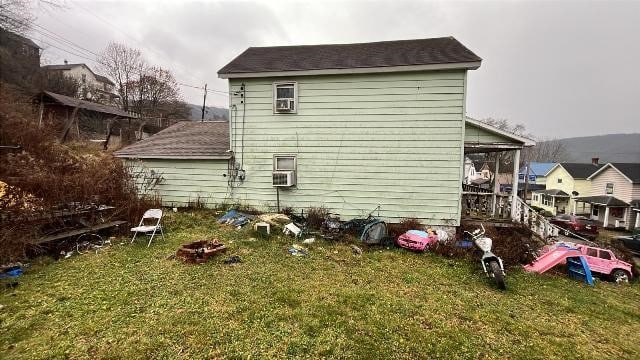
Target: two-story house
19, 58
615, 195
357, 128
563, 183
93, 87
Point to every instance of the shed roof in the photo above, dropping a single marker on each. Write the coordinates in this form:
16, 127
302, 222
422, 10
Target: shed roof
83, 104
184, 140
631, 171
577, 170
382, 54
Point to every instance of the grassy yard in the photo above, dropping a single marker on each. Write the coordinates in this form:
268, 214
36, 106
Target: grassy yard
132, 302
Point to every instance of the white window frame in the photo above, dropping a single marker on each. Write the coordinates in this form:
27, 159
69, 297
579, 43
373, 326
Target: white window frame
606, 187
295, 96
275, 162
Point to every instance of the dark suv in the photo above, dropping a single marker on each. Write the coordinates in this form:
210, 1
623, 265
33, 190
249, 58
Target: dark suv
576, 224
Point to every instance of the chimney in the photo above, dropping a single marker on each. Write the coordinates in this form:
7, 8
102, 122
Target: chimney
66, 62
594, 161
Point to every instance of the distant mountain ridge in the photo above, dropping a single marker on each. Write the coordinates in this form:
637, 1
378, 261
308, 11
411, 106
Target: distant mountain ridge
609, 148
211, 113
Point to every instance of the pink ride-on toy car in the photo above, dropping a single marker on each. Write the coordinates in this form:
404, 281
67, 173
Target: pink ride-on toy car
600, 261
416, 240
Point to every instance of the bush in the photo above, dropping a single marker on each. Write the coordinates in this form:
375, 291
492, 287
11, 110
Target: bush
316, 216
44, 176
403, 226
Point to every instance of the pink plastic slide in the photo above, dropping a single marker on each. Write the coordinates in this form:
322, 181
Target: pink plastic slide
553, 257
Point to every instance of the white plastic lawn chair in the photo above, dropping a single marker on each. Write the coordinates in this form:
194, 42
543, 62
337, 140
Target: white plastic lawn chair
155, 214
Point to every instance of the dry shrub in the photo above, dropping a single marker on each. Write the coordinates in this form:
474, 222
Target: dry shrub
515, 245
316, 216
44, 176
403, 226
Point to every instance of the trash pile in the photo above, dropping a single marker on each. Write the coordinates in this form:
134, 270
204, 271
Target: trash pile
199, 252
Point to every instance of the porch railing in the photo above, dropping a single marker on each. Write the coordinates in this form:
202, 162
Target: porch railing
480, 205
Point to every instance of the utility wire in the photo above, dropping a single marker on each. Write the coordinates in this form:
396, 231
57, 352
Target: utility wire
90, 55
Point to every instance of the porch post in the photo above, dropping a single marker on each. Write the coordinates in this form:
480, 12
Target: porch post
626, 220
575, 206
637, 225
496, 185
514, 183
606, 217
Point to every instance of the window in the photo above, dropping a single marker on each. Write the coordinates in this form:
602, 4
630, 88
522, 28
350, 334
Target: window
285, 97
520, 176
284, 163
609, 189
559, 181
592, 252
84, 78
604, 255
594, 211
535, 197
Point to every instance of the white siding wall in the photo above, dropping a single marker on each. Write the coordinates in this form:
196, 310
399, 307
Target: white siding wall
186, 180
393, 140
621, 186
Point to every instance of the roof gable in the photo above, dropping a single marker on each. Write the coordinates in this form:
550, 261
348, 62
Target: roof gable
184, 140
495, 133
631, 171
577, 171
385, 54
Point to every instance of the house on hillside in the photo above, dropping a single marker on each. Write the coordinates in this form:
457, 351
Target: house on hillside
352, 127
19, 58
615, 195
94, 87
565, 182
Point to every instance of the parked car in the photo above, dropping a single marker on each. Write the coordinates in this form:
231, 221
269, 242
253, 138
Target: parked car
630, 242
579, 225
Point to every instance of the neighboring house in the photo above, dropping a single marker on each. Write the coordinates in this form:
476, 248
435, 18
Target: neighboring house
92, 87
537, 175
19, 58
353, 127
571, 180
615, 195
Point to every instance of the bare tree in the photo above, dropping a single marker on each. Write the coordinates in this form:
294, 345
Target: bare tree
16, 16
124, 65
546, 151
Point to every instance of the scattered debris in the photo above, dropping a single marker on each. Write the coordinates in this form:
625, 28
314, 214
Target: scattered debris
292, 229
263, 228
309, 241
356, 250
235, 218
274, 219
11, 271
233, 259
297, 250
200, 251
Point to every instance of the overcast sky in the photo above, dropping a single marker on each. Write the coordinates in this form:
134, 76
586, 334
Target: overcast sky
561, 68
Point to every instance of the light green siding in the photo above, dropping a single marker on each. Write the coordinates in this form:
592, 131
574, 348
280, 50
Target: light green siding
474, 134
389, 139
185, 181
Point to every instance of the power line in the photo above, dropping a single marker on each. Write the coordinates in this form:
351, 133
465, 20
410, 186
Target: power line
90, 55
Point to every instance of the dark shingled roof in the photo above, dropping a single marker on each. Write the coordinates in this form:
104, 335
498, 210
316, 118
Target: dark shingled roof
82, 104
630, 170
603, 200
184, 140
580, 171
446, 50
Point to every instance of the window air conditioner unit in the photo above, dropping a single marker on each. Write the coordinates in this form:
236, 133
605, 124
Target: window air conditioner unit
283, 178
284, 105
